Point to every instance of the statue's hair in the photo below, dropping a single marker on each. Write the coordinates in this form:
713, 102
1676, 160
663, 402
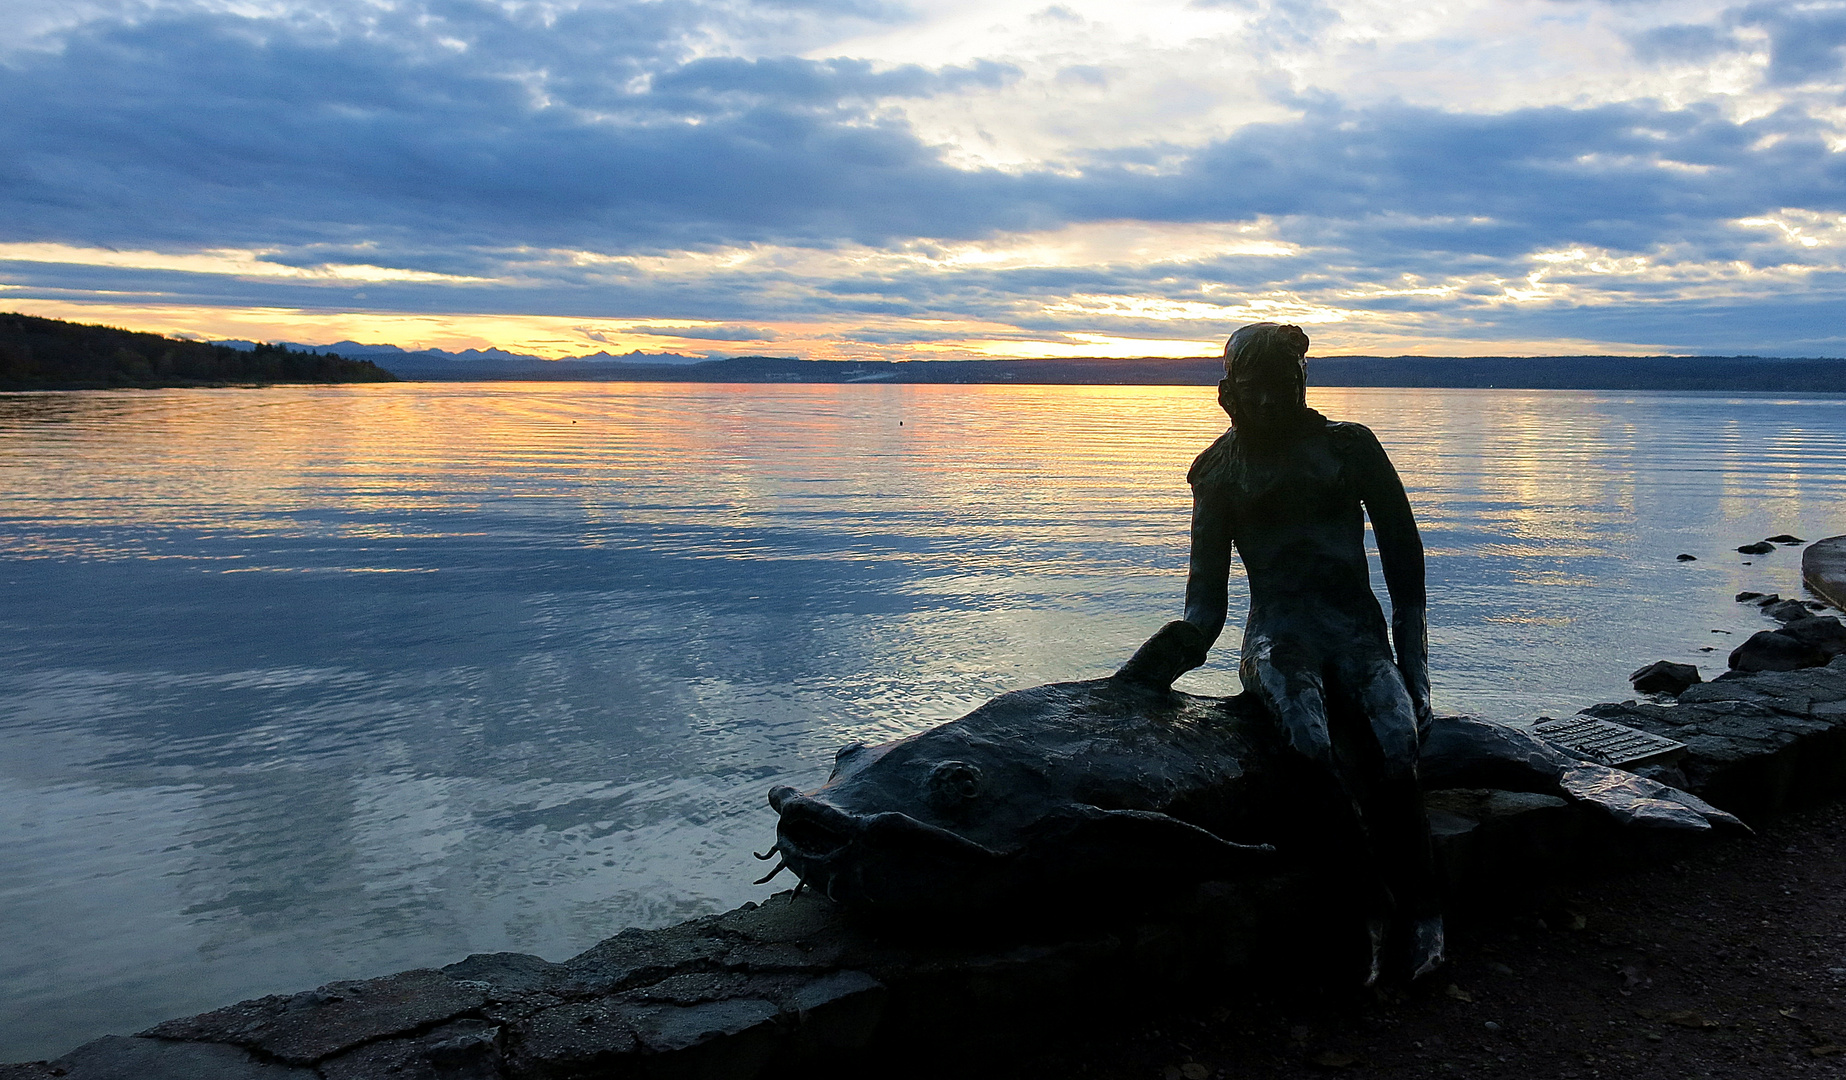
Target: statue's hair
1256, 346
1266, 343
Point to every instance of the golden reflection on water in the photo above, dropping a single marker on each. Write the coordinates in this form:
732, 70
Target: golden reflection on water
257, 461
364, 462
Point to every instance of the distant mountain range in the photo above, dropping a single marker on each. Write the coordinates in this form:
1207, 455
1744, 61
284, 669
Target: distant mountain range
474, 359
1727, 373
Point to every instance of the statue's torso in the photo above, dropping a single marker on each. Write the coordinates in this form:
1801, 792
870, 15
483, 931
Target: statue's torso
1293, 509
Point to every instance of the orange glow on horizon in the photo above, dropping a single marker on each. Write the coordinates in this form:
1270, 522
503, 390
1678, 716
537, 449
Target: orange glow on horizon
556, 337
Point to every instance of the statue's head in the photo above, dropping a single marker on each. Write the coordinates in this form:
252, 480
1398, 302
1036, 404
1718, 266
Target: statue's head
1265, 384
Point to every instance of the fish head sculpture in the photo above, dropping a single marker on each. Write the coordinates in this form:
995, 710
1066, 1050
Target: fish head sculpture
1031, 794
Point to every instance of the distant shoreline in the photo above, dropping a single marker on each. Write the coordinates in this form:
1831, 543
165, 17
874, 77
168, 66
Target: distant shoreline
52, 354
1617, 373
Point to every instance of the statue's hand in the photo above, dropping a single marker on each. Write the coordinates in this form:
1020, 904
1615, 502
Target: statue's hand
1410, 639
1425, 715
1416, 681
1175, 649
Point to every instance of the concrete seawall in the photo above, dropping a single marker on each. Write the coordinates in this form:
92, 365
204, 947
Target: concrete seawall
783, 986
1823, 568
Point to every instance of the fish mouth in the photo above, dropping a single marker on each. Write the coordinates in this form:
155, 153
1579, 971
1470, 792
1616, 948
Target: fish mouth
883, 860
811, 831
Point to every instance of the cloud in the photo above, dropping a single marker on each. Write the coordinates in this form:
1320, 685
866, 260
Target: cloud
707, 333
1686, 42
829, 83
637, 163
1084, 75
1805, 40
226, 130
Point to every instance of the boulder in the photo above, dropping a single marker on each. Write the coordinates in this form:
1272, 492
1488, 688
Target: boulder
1821, 631
1747, 595
1775, 650
1665, 677
1783, 538
1761, 547
1787, 611
1683, 557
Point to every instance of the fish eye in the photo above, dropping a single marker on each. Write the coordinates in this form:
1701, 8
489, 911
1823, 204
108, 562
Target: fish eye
952, 784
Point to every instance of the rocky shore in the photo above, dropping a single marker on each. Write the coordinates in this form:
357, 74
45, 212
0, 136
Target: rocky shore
790, 986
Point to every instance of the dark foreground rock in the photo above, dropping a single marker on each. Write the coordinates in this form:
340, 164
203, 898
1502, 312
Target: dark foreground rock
791, 987
1823, 632
1757, 745
1775, 650
1664, 677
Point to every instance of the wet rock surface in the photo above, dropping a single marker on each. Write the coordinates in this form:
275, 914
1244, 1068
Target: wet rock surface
790, 985
116, 1057
305, 1028
1787, 611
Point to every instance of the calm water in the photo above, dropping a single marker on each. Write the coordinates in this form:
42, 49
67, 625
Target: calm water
302, 684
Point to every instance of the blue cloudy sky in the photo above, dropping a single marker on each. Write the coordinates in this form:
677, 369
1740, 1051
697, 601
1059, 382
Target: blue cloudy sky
905, 178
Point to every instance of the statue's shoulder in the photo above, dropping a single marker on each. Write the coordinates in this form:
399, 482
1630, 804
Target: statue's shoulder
1350, 438
1211, 462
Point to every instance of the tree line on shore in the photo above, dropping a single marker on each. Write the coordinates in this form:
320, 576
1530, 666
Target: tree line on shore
51, 354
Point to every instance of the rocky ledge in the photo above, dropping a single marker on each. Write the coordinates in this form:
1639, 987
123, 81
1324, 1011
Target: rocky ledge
790, 985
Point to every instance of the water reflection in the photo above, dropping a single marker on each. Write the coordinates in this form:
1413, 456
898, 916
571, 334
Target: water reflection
308, 683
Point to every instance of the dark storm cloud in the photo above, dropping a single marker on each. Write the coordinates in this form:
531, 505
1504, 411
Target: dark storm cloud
217, 130
1619, 175
1805, 40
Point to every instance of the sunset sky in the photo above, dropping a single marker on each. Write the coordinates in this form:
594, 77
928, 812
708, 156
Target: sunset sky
932, 178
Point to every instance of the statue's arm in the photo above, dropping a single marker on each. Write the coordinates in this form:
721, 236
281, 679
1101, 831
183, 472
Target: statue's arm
1182, 644
1209, 571
1400, 551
